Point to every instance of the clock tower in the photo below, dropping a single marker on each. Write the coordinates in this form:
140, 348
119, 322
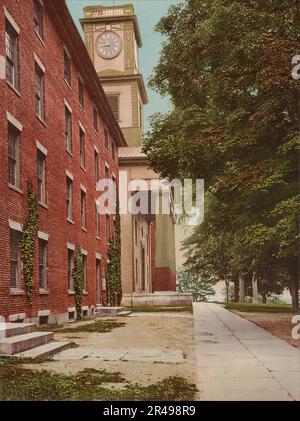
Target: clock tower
112, 38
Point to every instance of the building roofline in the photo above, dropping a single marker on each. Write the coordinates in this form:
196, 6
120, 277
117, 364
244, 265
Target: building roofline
63, 20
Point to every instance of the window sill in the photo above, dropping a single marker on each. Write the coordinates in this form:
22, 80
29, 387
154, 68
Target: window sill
71, 292
85, 293
43, 205
68, 85
83, 169
13, 88
16, 291
39, 37
41, 120
69, 152
70, 221
98, 238
43, 291
84, 229
81, 107
14, 188
96, 132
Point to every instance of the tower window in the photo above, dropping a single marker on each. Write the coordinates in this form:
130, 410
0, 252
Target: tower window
113, 101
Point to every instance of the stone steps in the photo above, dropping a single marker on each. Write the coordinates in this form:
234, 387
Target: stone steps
20, 343
124, 313
8, 330
46, 350
102, 311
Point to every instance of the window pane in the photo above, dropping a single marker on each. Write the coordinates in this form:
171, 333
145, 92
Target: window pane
11, 52
42, 264
113, 101
15, 258
13, 156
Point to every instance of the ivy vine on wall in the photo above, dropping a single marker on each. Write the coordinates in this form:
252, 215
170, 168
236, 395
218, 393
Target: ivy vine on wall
78, 277
27, 243
113, 268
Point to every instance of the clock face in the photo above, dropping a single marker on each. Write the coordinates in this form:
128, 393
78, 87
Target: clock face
108, 44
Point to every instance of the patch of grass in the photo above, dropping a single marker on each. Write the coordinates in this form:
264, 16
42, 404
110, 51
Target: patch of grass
98, 326
22, 384
144, 309
262, 308
15, 361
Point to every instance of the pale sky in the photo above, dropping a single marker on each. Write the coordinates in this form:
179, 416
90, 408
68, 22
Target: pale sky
149, 13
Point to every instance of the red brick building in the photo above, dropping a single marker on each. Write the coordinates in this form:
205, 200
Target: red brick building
58, 132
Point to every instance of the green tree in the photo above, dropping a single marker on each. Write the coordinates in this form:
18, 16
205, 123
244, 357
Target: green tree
226, 66
190, 282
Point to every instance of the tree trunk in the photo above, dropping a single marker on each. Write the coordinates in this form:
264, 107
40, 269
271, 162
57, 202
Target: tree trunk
227, 291
264, 297
241, 290
255, 296
236, 291
294, 289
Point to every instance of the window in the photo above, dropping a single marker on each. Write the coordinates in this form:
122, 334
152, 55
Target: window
136, 271
43, 264
69, 199
106, 138
68, 129
38, 17
135, 232
95, 118
84, 261
82, 147
98, 277
107, 227
106, 173
80, 92
113, 101
12, 55
97, 216
113, 150
39, 92
83, 209
67, 68
15, 259
70, 269
13, 156
96, 163
41, 169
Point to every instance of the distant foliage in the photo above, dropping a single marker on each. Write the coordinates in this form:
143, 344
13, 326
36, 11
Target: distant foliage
201, 289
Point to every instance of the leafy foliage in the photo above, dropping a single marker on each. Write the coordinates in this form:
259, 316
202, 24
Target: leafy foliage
22, 384
78, 276
113, 268
191, 282
27, 243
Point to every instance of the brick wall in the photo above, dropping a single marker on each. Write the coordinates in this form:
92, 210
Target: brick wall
13, 204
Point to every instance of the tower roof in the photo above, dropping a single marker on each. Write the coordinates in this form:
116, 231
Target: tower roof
122, 13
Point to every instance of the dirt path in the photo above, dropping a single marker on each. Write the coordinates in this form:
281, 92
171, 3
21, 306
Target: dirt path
278, 324
145, 350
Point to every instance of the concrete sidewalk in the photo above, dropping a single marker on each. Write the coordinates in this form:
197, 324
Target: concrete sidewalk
237, 360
